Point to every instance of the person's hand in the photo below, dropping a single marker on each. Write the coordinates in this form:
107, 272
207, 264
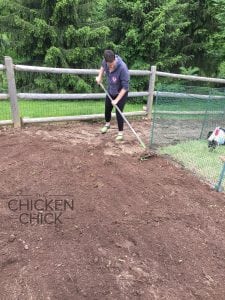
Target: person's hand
98, 79
114, 102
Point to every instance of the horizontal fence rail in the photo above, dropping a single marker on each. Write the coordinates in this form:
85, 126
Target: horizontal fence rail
2, 67
190, 96
72, 71
6, 122
39, 96
190, 77
43, 96
166, 112
77, 118
4, 96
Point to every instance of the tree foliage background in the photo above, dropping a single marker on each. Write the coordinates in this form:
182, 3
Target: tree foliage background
174, 35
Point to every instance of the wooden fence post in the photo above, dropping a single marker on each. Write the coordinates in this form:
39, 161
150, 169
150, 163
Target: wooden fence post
12, 92
151, 91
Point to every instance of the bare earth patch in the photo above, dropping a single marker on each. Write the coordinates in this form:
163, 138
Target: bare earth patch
137, 230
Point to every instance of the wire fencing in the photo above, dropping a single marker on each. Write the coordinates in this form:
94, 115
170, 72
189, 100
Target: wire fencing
182, 119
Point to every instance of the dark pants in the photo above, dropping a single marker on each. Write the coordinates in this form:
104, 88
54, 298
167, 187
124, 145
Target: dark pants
109, 107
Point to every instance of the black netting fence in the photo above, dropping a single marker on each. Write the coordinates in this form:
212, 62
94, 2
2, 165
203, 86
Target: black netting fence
182, 119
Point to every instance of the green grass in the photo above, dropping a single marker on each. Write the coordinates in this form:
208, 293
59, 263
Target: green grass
195, 156
53, 108
5, 112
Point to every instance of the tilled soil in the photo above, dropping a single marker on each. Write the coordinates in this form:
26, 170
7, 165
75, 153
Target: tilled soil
83, 218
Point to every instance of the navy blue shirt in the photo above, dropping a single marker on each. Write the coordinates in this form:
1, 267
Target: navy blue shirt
118, 78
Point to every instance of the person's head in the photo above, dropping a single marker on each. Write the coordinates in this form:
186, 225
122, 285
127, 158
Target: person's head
109, 57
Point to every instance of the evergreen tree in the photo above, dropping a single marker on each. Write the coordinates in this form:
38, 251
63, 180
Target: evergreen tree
151, 30
171, 34
216, 40
56, 33
202, 26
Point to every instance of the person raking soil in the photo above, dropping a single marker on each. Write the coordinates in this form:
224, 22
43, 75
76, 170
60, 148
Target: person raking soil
118, 78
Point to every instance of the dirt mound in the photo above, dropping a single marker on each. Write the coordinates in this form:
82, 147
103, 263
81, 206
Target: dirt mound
83, 218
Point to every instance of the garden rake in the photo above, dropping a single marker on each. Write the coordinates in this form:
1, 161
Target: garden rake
147, 154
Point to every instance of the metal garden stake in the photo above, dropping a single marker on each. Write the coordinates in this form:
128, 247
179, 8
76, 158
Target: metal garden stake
218, 186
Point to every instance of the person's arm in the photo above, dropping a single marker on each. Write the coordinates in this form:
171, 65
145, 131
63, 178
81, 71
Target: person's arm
124, 78
100, 75
120, 96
